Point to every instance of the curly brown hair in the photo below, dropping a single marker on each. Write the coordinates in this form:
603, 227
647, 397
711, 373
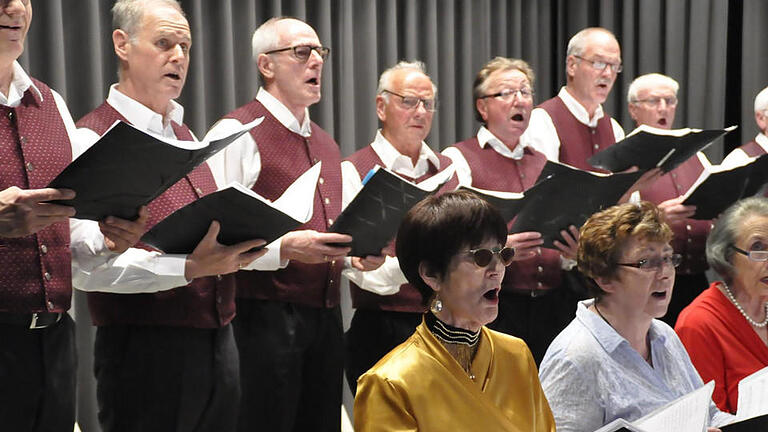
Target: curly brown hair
605, 233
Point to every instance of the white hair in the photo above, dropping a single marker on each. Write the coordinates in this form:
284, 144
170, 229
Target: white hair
650, 81
127, 14
385, 80
265, 38
761, 100
578, 42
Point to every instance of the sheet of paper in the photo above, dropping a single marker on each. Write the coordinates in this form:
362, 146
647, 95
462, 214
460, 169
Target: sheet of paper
687, 413
753, 395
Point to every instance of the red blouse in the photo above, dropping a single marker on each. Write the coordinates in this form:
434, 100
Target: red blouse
723, 346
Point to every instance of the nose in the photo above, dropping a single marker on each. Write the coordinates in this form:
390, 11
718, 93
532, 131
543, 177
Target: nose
13, 7
315, 57
177, 53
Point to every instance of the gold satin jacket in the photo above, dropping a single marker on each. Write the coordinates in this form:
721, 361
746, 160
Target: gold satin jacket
419, 386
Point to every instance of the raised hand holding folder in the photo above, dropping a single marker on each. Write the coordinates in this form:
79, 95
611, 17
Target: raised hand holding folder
242, 213
127, 168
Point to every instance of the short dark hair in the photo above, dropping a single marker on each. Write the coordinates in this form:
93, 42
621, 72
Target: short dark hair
438, 228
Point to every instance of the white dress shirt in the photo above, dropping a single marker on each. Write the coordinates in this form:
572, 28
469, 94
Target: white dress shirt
542, 134
484, 138
385, 280
739, 157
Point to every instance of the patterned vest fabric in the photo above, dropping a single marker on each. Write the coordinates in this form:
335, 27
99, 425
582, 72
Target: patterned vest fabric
207, 302
408, 299
36, 270
690, 235
578, 142
492, 171
286, 155
752, 149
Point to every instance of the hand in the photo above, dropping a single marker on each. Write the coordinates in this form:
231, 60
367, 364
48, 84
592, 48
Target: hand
212, 258
713, 429
571, 237
368, 263
526, 244
24, 211
675, 211
312, 247
647, 179
120, 234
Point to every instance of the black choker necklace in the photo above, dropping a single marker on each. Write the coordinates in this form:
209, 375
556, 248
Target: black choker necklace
450, 334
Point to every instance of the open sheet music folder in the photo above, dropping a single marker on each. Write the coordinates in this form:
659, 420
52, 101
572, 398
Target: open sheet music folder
127, 168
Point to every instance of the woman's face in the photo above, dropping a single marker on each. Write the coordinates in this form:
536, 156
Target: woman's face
643, 291
470, 293
751, 276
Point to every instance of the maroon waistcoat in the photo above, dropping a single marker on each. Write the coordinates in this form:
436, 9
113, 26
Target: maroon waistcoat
578, 141
752, 149
35, 271
286, 155
690, 235
408, 299
207, 302
492, 171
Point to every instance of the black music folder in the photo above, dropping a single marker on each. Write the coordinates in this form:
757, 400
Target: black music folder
759, 423
564, 196
648, 147
374, 215
243, 215
719, 186
127, 168
508, 203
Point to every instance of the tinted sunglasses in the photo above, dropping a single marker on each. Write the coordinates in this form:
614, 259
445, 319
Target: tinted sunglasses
483, 256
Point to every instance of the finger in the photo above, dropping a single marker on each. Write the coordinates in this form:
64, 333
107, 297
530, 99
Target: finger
53, 210
334, 238
523, 236
123, 225
247, 245
527, 245
212, 234
47, 194
335, 252
249, 257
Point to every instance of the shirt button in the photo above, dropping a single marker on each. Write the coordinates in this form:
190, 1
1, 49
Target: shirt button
327, 200
321, 180
29, 166
44, 249
330, 221
49, 304
47, 276
198, 191
594, 131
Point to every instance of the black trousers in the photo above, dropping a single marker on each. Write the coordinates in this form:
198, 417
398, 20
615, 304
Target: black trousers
155, 378
536, 320
38, 377
291, 359
371, 335
687, 288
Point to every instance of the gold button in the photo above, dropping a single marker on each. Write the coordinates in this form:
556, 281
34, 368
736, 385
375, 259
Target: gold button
29, 166
327, 200
44, 249
47, 276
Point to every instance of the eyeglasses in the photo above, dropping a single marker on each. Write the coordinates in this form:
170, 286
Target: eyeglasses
656, 263
508, 95
670, 101
412, 102
753, 255
601, 65
302, 52
484, 256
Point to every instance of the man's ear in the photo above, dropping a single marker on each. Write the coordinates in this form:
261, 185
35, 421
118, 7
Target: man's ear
381, 105
266, 66
121, 41
429, 277
482, 109
570, 66
633, 111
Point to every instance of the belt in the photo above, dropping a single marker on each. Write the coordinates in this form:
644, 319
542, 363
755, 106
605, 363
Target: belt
37, 320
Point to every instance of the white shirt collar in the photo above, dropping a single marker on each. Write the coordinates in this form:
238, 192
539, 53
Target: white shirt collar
578, 110
485, 136
283, 114
144, 118
400, 163
19, 84
762, 141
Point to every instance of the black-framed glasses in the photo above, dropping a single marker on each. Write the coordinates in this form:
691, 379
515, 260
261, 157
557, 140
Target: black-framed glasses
483, 256
655, 263
412, 102
507, 95
601, 65
302, 52
754, 255
670, 101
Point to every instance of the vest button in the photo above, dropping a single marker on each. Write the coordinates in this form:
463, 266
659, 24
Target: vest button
522, 176
540, 269
327, 200
44, 249
49, 304
218, 299
47, 276
596, 146
29, 166
10, 115
23, 140
330, 221
198, 191
219, 277
321, 180
330, 281
315, 160
688, 227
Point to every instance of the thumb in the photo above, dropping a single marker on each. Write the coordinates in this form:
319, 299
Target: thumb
213, 232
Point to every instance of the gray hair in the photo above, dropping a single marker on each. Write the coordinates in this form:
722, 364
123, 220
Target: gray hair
761, 100
266, 39
127, 14
725, 231
578, 42
385, 79
651, 80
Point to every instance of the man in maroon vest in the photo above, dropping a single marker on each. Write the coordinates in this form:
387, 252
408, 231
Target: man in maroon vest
37, 242
652, 100
535, 303
288, 326
388, 309
572, 126
165, 354
759, 145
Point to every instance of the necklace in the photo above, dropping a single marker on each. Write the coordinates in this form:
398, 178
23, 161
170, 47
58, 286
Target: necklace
459, 342
730, 296
646, 357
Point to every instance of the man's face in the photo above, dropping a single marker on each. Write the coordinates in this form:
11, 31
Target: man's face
406, 126
15, 17
589, 85
654, 107
761, 118
293, 82
158, 56
506, 116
